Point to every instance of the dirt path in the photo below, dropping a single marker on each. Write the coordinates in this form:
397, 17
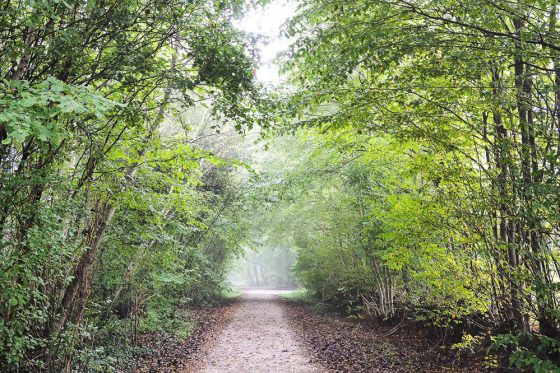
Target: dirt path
258, 339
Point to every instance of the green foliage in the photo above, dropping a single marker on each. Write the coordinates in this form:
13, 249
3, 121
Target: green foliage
167, 320
41, 111
105, 210
469, 90
419, 177
530, 351
299, 295
469, 343
367, 232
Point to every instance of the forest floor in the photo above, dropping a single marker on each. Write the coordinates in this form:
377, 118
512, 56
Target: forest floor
167, 354
342, 344
263, 332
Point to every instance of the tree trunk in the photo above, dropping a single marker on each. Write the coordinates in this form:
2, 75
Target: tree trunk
78, 291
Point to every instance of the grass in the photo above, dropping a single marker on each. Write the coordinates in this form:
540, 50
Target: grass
230, 293
308, 299
300, 295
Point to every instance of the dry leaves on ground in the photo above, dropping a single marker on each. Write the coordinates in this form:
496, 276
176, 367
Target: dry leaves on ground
344, 345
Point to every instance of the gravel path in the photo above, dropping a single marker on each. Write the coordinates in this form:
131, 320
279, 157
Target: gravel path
258, 339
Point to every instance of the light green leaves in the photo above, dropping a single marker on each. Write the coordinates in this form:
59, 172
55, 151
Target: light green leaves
47, 111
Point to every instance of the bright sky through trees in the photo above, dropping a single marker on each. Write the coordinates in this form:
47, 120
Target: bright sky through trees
267, 23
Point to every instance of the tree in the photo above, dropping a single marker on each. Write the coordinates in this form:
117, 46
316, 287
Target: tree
476, 84
87, 89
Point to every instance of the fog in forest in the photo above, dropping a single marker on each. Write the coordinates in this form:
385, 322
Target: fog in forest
265, 266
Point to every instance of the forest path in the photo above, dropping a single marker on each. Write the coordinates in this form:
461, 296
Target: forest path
258, 339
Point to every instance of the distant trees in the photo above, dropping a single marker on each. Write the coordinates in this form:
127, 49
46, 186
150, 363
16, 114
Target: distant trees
266, 266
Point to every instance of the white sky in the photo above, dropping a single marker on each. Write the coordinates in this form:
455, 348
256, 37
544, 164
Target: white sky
267, 21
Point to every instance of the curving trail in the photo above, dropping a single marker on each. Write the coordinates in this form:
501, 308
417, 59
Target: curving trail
258, 339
